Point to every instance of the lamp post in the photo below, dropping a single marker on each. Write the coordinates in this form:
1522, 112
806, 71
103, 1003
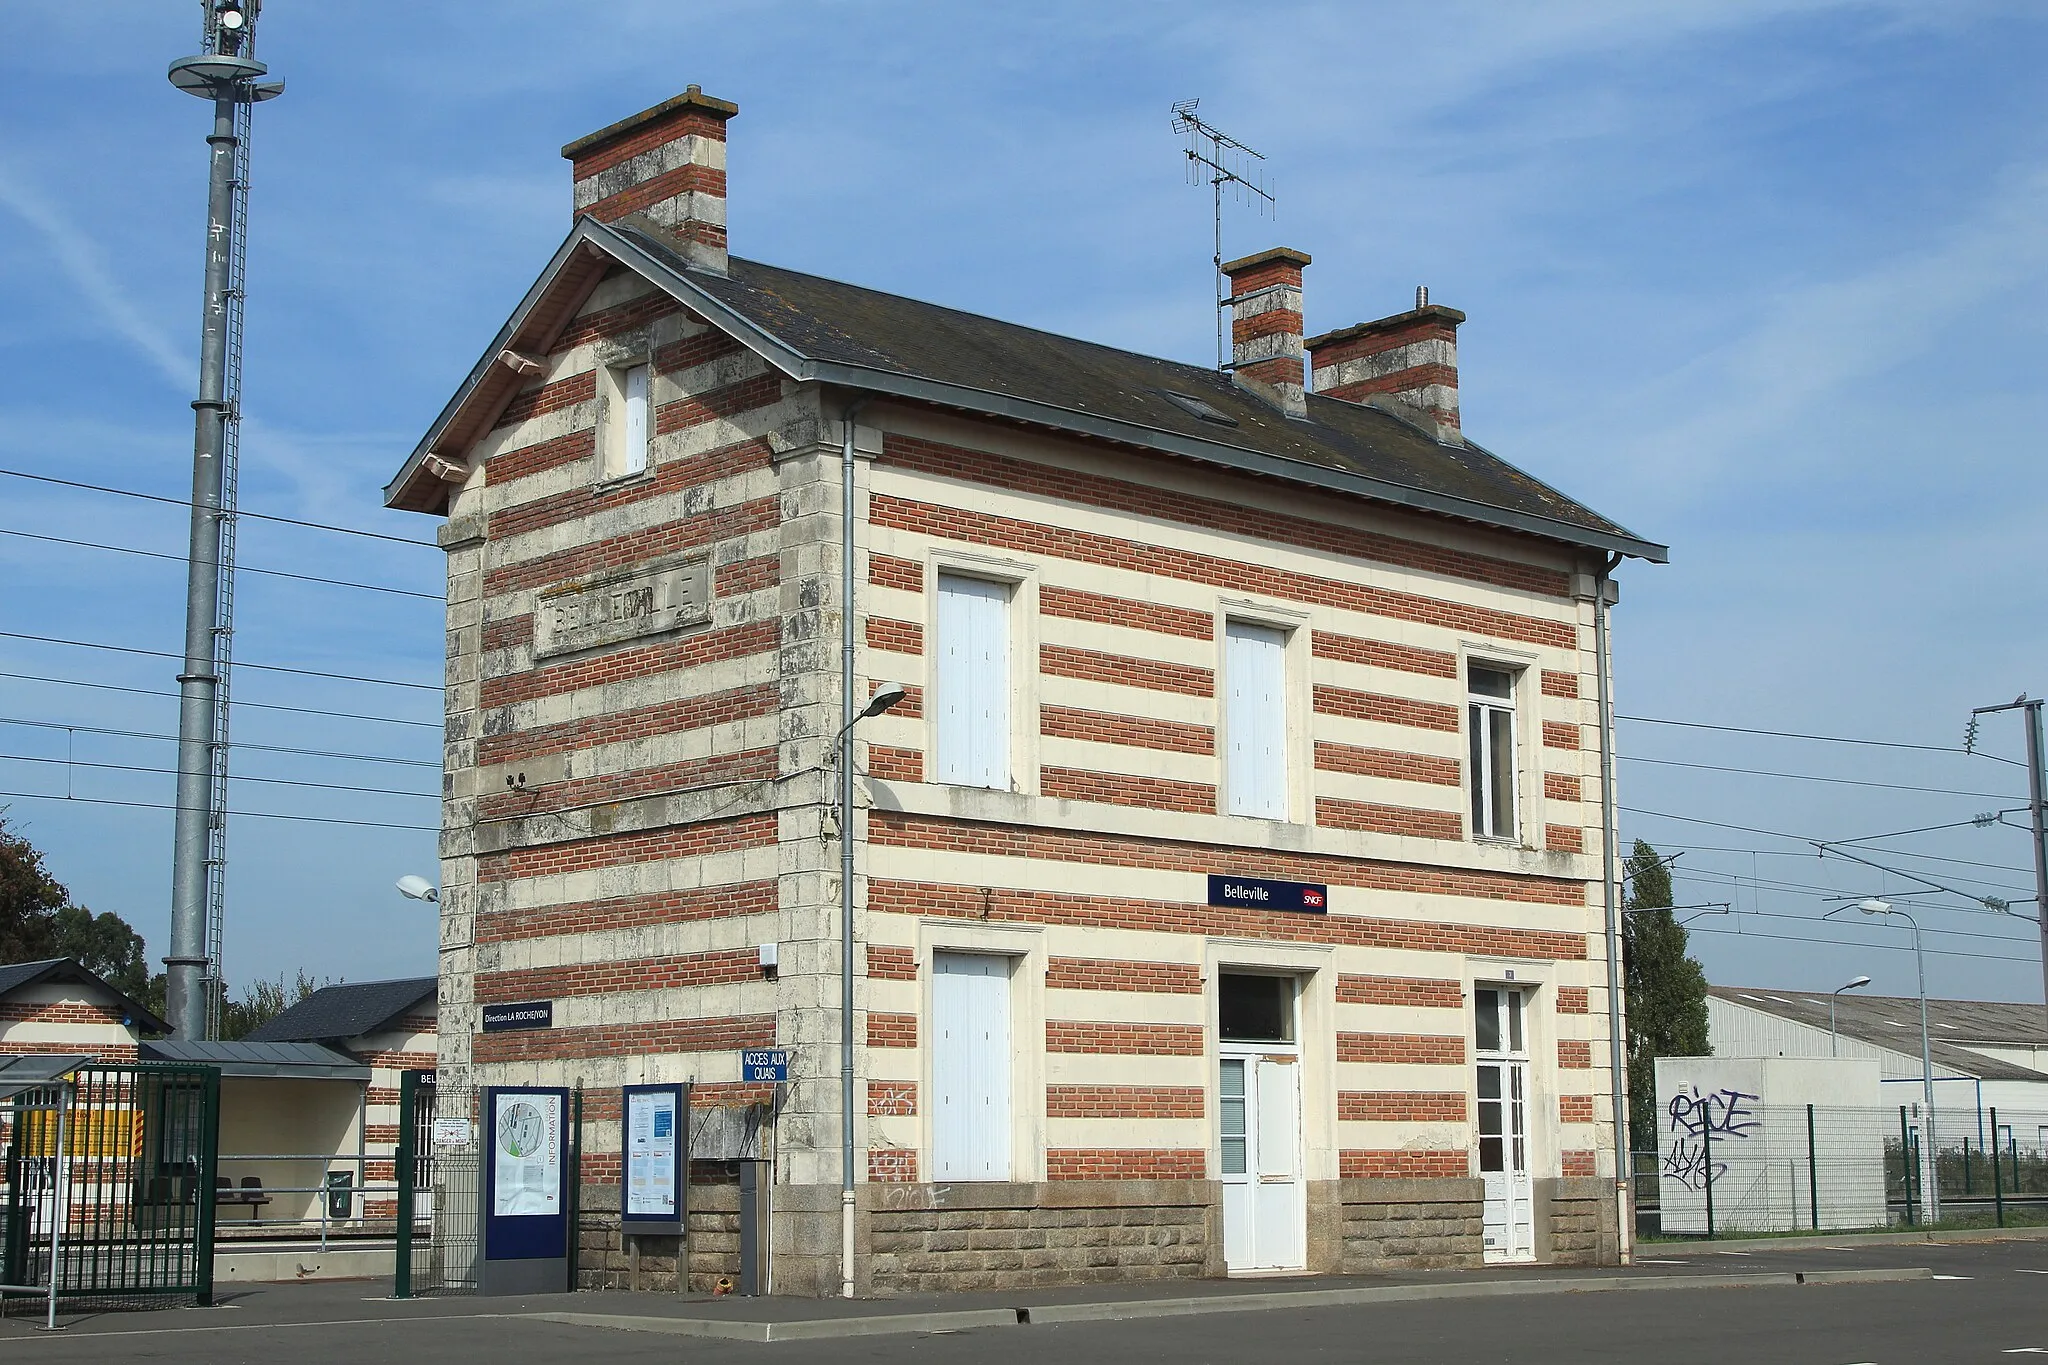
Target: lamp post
1858, 984
886, 695
1930, 1197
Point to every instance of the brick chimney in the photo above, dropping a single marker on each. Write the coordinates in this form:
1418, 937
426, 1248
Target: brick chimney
1412, 357
667, 162
1265, 326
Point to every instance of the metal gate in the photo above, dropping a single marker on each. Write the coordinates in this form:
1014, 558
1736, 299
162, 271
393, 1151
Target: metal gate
140, 1145
437, 1170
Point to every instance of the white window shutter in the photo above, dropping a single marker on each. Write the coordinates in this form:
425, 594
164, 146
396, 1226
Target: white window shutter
974, 682
1255, 674
970, 1067
634, 455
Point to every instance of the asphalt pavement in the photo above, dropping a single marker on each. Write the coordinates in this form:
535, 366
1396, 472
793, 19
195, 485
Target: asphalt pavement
1982, 1302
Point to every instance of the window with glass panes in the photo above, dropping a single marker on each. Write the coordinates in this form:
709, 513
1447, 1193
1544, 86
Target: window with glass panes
1499, 1039
1490, 736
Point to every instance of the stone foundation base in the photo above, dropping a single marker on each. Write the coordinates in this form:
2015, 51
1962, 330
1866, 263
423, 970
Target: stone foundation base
924, 1238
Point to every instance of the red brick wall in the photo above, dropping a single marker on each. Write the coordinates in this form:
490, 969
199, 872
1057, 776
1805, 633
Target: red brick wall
1125, 1040
1401, 1048
1401, 1106
1124, 1164
1574, 1054
1123, 1102
1116, 974
1409, 991
891, 1030
1382, 1165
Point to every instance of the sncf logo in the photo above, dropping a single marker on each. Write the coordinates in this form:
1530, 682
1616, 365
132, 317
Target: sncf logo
1313, 899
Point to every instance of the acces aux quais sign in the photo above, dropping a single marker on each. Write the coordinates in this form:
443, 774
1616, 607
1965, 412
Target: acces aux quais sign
1254, 893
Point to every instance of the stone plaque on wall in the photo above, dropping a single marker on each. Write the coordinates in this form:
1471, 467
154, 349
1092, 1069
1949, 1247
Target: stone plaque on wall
605, 611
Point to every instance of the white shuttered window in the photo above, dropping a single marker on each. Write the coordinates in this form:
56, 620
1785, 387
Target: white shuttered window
634, 453
970, 1067
974, 682
1255, 669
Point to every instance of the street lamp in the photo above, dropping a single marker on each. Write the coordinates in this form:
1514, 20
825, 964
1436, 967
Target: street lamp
1858, 984
1930, 1197
418, 889
885, 696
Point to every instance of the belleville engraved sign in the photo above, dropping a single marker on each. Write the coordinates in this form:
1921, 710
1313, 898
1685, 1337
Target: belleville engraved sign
587, 614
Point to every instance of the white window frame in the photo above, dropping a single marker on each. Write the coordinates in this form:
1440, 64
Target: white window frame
938, 691
1480, 756
622, 453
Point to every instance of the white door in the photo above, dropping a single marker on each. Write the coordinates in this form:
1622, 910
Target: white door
973, 682
1265, 1216
1503, 1128
970, 1067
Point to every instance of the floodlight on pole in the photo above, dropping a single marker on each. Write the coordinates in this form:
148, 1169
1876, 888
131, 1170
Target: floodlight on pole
1858, 984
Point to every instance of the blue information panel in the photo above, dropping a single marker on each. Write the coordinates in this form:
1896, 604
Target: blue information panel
526, 1213
1253, 893
656, 1158
764, 1064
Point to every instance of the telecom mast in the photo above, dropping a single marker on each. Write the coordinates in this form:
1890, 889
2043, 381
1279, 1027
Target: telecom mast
228, 74
1245, 175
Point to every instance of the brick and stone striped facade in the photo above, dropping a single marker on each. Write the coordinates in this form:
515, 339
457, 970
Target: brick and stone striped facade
626, 822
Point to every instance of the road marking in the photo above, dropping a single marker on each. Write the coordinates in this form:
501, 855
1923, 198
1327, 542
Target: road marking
2024, 1271
1950, 1277
1732, 1253
1645, 1260
2026, 1351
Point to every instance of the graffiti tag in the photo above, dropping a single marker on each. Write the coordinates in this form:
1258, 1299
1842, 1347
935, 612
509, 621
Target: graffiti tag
1720, 1113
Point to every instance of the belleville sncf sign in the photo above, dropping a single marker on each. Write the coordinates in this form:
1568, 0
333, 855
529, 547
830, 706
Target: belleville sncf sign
595, 612
1253, 893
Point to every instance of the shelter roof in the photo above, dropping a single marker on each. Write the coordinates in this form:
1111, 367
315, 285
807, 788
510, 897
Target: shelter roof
279, 1061
34, 1071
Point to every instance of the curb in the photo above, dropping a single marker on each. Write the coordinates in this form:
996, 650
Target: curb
1046, 1314
1848, 1239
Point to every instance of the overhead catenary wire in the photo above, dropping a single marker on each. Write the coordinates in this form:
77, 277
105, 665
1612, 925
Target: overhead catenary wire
1821, 739
239, 814
239, 568
240, 512
1796, 853
1813, 777
233, 744
240, 703
238, 777
267, 668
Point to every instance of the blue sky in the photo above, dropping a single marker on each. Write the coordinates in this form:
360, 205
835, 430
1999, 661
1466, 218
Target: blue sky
1763, 279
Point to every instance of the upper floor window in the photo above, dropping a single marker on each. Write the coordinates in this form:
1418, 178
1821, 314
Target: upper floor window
627, 420
973, 739
1255, 719
1490, 734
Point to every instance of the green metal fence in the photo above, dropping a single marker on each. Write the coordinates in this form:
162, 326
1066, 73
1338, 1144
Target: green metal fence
137, 1160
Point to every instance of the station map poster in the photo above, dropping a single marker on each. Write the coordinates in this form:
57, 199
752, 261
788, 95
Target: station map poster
657, 1144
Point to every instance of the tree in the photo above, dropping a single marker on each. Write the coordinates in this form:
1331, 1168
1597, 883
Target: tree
29, 901
262, 1002
106, 944
1666, 988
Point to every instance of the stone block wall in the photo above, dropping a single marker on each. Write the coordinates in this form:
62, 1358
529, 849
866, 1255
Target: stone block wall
1411, 1223
1575, 1221
605, 1258
938, 1238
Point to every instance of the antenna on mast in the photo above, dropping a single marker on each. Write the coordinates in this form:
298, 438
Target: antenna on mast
1223, 161
228, 74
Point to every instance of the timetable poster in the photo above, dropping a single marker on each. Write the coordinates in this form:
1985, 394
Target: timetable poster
651, 1153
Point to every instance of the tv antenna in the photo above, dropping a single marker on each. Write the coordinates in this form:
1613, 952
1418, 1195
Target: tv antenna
228, 74
1224, 162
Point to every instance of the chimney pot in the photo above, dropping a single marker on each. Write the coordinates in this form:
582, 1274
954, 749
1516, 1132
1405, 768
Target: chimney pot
667, 162
1412, 357
1265, 326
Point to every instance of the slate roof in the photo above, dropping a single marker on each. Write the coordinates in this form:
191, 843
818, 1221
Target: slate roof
1893, 1023
814, 328
348, 1010
15, 975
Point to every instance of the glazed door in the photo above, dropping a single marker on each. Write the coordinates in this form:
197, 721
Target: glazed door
1264, 1201
1502, 1092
